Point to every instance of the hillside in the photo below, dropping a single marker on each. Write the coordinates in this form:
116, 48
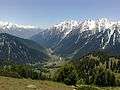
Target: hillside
28, 84
20, 51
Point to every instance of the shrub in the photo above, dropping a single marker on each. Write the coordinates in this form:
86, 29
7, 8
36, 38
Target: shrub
105, 78
67, 74
81, 82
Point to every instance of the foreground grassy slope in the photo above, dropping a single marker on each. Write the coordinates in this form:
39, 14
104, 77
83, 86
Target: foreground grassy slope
7, 83
88, 87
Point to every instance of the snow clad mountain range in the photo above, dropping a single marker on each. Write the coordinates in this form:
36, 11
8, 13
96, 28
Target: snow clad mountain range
76, 38
70, 38
24, 31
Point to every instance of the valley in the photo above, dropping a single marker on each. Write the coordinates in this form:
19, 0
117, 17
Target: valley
59, 44
68, 56
74, 39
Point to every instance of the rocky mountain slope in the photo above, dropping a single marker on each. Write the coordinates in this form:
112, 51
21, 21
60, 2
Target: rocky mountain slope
20, 51
76, 38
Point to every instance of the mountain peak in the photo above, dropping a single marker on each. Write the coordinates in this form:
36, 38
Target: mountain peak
20, 30
4, 24
100, 24
71, 38
67, 24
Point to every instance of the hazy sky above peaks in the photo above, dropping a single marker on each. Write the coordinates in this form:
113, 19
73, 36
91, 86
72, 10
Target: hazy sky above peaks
44, 13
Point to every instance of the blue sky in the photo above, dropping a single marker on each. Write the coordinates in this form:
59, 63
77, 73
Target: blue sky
47, 12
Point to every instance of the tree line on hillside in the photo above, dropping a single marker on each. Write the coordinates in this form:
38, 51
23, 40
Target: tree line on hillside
93, 69
21, 71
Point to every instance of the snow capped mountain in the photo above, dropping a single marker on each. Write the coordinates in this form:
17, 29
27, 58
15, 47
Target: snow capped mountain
24, 31
10, 25
75, 38
66, 25
93, 25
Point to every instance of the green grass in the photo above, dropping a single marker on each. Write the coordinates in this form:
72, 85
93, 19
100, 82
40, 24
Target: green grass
88, 87
7, 83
